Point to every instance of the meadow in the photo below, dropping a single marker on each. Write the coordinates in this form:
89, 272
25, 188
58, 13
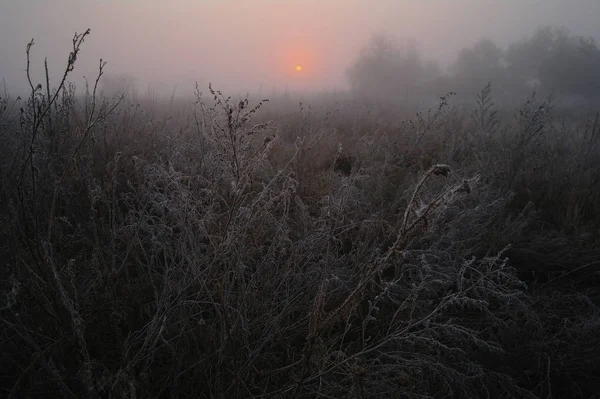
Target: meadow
325, 247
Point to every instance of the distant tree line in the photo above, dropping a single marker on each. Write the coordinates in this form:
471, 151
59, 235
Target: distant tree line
551, 61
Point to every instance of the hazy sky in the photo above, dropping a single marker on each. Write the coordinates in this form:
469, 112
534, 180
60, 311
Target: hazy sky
242, 44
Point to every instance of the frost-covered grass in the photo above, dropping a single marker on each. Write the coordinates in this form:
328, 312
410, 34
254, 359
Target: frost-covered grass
232, 248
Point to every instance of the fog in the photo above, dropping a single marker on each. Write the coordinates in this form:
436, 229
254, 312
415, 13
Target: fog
256, 45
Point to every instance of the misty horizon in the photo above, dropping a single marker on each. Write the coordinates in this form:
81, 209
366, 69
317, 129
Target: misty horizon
257, 46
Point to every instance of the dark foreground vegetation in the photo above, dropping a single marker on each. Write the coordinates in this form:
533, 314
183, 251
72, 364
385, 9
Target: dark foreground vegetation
152, 252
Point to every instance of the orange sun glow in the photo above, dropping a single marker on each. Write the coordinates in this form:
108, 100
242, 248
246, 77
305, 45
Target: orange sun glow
299, 68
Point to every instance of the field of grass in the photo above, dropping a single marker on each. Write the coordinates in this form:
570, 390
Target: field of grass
229, 248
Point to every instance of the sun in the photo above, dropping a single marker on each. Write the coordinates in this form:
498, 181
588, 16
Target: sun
298, 68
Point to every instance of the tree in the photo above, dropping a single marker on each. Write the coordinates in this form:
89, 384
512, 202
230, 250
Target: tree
475, 67
387, 68
563, 64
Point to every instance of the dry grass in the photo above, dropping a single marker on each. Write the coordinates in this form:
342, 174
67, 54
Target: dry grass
319, 254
